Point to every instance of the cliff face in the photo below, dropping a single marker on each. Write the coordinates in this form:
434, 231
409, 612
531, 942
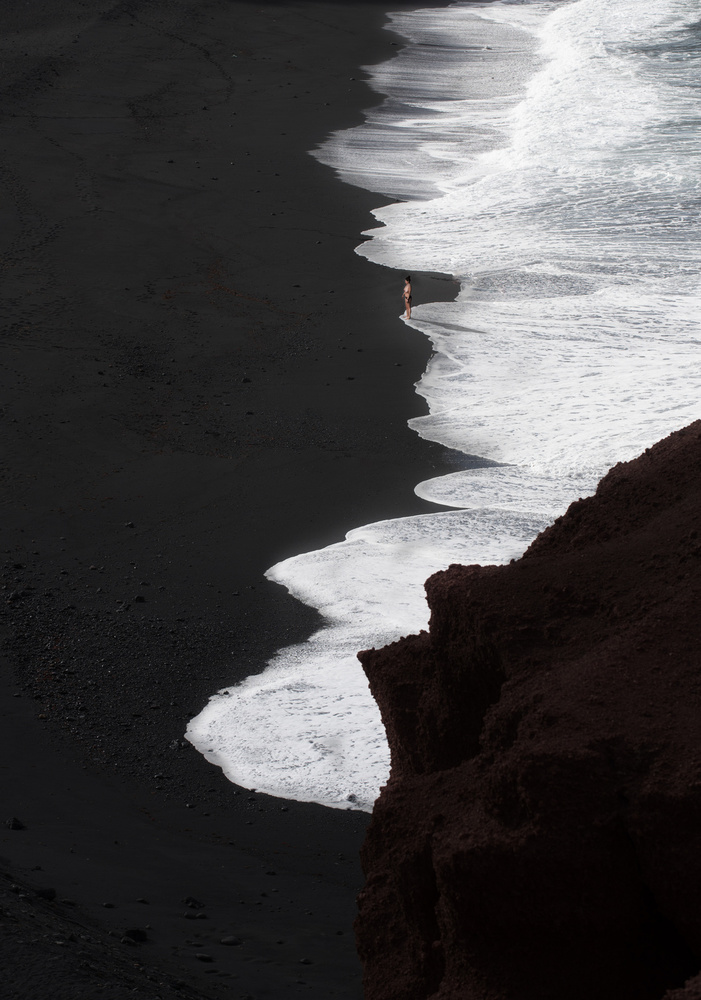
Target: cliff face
540, 834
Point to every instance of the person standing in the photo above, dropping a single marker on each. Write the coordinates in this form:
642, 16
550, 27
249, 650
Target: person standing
407, 295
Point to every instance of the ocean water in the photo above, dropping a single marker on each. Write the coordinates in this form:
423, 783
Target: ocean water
548, 155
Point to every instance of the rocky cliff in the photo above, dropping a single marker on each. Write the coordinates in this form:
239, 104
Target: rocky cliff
540, 834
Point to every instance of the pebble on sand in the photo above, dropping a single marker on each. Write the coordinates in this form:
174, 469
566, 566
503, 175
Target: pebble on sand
47, 893
136, 934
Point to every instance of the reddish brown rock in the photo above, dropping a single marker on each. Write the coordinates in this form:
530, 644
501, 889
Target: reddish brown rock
540, 834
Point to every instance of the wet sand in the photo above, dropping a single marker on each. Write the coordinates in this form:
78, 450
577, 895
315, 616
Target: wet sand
200, 378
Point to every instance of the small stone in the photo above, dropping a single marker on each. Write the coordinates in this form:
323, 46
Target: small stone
136, 934
230, 940
201, 957
305, 961
108, 906
15, 824
193, 903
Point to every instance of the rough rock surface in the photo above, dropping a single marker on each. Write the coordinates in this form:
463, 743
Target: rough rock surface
539, 834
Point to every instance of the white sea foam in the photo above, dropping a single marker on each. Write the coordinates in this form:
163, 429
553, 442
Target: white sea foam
549, 158
308, 720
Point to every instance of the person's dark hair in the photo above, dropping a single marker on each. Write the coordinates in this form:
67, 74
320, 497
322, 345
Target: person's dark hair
408, 277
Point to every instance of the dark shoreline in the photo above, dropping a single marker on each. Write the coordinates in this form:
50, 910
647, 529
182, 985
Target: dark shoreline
178, 416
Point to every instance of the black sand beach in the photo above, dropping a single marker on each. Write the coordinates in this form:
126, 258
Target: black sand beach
200, 378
